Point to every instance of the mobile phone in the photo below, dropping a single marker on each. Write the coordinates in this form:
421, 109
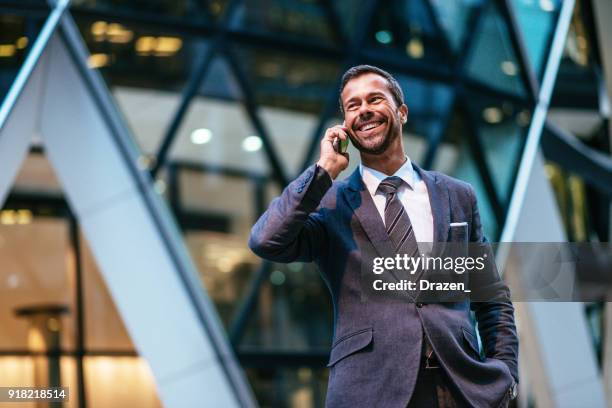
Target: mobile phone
340, 146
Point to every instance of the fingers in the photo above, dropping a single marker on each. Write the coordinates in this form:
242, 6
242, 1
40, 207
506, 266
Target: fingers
336, 131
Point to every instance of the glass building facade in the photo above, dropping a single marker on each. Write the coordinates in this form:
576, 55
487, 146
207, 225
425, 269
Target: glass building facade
225, 103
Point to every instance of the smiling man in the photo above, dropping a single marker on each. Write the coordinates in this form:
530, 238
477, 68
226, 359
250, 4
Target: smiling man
390, 353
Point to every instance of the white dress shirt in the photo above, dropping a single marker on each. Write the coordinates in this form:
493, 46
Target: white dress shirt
412, 194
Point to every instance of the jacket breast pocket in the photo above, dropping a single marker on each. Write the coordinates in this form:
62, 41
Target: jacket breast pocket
458, 232
350, 344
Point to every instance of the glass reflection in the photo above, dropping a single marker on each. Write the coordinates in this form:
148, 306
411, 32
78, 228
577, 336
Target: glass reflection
492, 58
455, 157
536, 21
454, 16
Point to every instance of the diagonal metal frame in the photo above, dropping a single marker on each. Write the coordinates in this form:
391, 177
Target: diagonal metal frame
526, 69
440, 32
331, 103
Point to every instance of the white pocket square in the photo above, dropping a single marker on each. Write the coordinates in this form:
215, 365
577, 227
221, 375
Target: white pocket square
458, 224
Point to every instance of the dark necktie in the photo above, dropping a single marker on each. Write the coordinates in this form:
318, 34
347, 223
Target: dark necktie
399, 228
397, 222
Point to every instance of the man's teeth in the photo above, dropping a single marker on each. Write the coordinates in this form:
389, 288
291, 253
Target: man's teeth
369, 126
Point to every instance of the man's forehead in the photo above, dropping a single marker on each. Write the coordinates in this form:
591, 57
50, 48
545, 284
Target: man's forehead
365, 83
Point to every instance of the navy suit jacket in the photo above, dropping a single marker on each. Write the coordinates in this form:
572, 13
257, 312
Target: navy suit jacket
377, 345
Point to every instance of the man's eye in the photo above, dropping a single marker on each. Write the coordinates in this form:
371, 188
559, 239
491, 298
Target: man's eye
377, 99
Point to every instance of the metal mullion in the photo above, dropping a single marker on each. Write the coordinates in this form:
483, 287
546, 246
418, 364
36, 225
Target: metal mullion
474, 19
365, 21
251, 109
189, 93
248, 306
431, 72
518, 44
192, 88
79, 308
486, 89
433, 16
480, 159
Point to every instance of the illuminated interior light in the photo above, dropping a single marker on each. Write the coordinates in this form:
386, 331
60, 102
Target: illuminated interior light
509, 68
23, 217
146, 44
7, 50
98, 28
547, 5
167, 46
118, 34
98, 60
384, 37
53, 324
201, 136
21, 43
492, 115
277, 278
225, 265
252, 143
7, 217
415, 48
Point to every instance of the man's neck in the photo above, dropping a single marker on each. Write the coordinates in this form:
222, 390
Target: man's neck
388, 162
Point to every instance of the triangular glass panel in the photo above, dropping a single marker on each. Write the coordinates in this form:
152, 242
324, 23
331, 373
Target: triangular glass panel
291, 93
293, 311
122, 53
492, 59
220, 82
428, 103
454, 157
536, 21
502, 128
407, 29
217, 133
454, 16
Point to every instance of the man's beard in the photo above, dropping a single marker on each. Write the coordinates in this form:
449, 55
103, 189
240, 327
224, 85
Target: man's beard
382, 147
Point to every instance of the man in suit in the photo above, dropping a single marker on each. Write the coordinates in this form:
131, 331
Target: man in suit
387, 352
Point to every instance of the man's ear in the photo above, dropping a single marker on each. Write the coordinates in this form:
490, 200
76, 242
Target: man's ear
403, 111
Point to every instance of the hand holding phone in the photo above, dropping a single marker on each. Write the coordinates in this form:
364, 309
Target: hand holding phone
334, 157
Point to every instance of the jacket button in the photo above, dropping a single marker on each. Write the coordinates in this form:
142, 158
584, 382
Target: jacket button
419, 305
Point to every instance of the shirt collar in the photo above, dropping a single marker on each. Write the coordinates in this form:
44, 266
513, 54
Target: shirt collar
372, 178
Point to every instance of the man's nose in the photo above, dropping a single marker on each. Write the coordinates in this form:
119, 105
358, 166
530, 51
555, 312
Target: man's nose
364, 111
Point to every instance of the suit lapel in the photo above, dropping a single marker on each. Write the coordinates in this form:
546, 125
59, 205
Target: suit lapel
363, 206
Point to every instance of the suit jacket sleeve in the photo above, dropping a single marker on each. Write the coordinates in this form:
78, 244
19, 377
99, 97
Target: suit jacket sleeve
292, 229
495, 314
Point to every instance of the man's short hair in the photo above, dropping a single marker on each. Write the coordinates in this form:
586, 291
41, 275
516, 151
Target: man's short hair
354, 72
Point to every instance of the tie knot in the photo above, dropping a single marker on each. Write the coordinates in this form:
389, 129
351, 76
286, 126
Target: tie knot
390, 185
